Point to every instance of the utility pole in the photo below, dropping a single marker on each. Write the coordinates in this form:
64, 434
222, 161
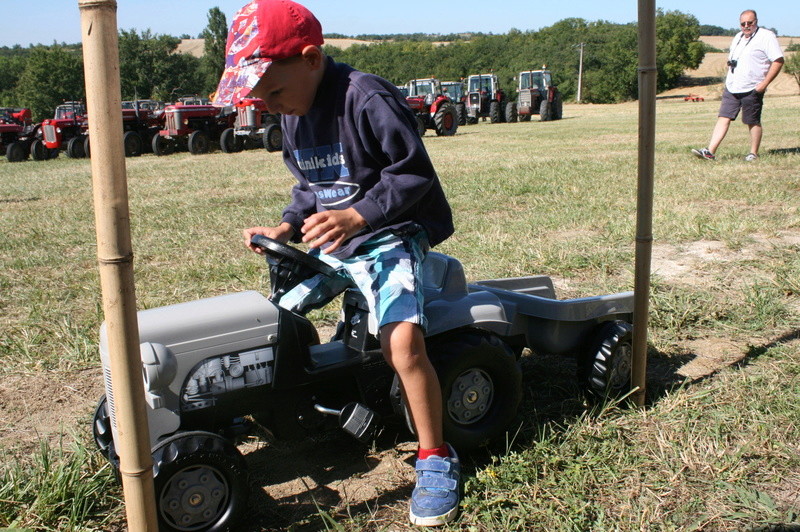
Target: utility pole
580, 72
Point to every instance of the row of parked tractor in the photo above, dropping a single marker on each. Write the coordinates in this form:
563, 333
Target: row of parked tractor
190, 124
444, 105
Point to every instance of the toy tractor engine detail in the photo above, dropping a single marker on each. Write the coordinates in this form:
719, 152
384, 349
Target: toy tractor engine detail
538, 95
433, 110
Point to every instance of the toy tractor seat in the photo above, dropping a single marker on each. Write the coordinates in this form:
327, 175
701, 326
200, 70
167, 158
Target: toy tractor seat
443, 277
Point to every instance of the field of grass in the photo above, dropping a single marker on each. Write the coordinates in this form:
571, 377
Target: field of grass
721, 452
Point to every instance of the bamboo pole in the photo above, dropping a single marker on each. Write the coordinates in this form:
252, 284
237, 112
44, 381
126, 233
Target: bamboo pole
644, 207
115, 257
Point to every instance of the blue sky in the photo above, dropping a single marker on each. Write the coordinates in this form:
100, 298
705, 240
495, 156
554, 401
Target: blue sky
46, 21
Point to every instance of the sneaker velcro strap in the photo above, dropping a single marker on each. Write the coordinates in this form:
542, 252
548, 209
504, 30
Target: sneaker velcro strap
437, 482
439, 466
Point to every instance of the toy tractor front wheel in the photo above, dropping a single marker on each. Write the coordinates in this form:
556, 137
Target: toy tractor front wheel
446, 120
481, 385
200, 482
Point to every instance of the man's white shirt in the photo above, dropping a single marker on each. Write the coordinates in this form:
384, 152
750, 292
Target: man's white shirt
753, 58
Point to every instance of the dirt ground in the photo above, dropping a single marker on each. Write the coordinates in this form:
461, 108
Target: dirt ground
291, 480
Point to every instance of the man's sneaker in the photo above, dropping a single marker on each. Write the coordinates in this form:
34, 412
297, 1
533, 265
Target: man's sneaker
436, 496
703, 153
750, 157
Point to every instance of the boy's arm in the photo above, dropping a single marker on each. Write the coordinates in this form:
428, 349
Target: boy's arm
387, 132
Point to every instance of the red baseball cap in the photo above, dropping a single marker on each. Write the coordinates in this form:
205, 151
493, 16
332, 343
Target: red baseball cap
263, 31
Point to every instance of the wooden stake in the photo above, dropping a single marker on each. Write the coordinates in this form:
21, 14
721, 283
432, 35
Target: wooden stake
644, 207
115, 257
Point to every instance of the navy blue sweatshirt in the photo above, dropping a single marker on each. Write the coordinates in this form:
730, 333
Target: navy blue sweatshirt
358, 147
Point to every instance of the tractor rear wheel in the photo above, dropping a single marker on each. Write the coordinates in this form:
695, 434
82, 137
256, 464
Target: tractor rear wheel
162, 145
273, 138
545, 111
445, 120
133, 144
511, 112
15, 152
198, 142
75, 148
39, 151
494, 112
461, 112
229, 142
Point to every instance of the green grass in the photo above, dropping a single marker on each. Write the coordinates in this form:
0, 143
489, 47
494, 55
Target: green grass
555, 198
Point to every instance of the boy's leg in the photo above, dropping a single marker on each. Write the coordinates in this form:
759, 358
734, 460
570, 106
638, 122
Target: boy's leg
403, 346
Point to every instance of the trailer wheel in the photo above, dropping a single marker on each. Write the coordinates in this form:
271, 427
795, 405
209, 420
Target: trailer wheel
511, 112
494, 112
229, 142
162, 145
200, 482
133, 144
481, 385
273, 138
198, 142
75, 149
545, 111
607, 368
445, 120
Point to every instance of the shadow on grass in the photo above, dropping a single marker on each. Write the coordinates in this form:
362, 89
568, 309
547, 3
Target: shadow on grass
784, 151
755, 351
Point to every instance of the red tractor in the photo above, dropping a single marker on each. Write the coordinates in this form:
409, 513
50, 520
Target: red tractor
455, 91
195, 122
66, 130
254, 127
432, 108
141, 121
485, 99
18, 134
538, 95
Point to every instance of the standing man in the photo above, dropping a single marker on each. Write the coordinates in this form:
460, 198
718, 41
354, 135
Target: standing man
754, 60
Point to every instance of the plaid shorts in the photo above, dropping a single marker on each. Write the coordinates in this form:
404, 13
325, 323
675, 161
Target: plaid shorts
387, 269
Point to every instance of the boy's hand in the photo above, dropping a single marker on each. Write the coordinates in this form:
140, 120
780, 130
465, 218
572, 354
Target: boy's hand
281, 233
331, 226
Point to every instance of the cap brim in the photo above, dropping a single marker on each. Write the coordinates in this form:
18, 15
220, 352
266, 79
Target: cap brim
237, 81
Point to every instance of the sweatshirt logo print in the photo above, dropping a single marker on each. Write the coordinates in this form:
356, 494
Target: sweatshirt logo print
324, 166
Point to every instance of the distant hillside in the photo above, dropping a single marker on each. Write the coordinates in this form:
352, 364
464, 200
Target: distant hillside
195, 46
722, 42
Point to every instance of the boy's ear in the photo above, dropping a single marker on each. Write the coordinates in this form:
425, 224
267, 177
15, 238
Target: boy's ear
313, 56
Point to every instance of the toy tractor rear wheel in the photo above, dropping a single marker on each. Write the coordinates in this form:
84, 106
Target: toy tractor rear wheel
162, 145
494, 112
229, 142
75, 149
101, 426
273, 138
200, 482
607, 365
198, 142
445, 120
481, 385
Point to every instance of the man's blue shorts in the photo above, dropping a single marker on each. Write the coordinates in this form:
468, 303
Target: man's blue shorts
387, 269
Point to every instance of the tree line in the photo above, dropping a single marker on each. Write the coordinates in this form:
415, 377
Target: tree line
41, 77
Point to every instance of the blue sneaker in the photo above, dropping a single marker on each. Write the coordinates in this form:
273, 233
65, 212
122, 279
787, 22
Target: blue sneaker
436, 496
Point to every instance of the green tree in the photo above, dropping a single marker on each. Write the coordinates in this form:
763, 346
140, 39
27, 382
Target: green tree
51, 76
215, 36
678, 47
11, 68
151, 68
792, 66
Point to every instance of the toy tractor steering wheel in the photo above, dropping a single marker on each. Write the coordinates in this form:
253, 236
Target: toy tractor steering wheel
288, 266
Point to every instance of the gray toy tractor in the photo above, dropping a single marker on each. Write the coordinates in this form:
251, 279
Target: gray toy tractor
209, 363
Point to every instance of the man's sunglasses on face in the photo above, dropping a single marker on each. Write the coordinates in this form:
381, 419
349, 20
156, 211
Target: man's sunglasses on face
747, 23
